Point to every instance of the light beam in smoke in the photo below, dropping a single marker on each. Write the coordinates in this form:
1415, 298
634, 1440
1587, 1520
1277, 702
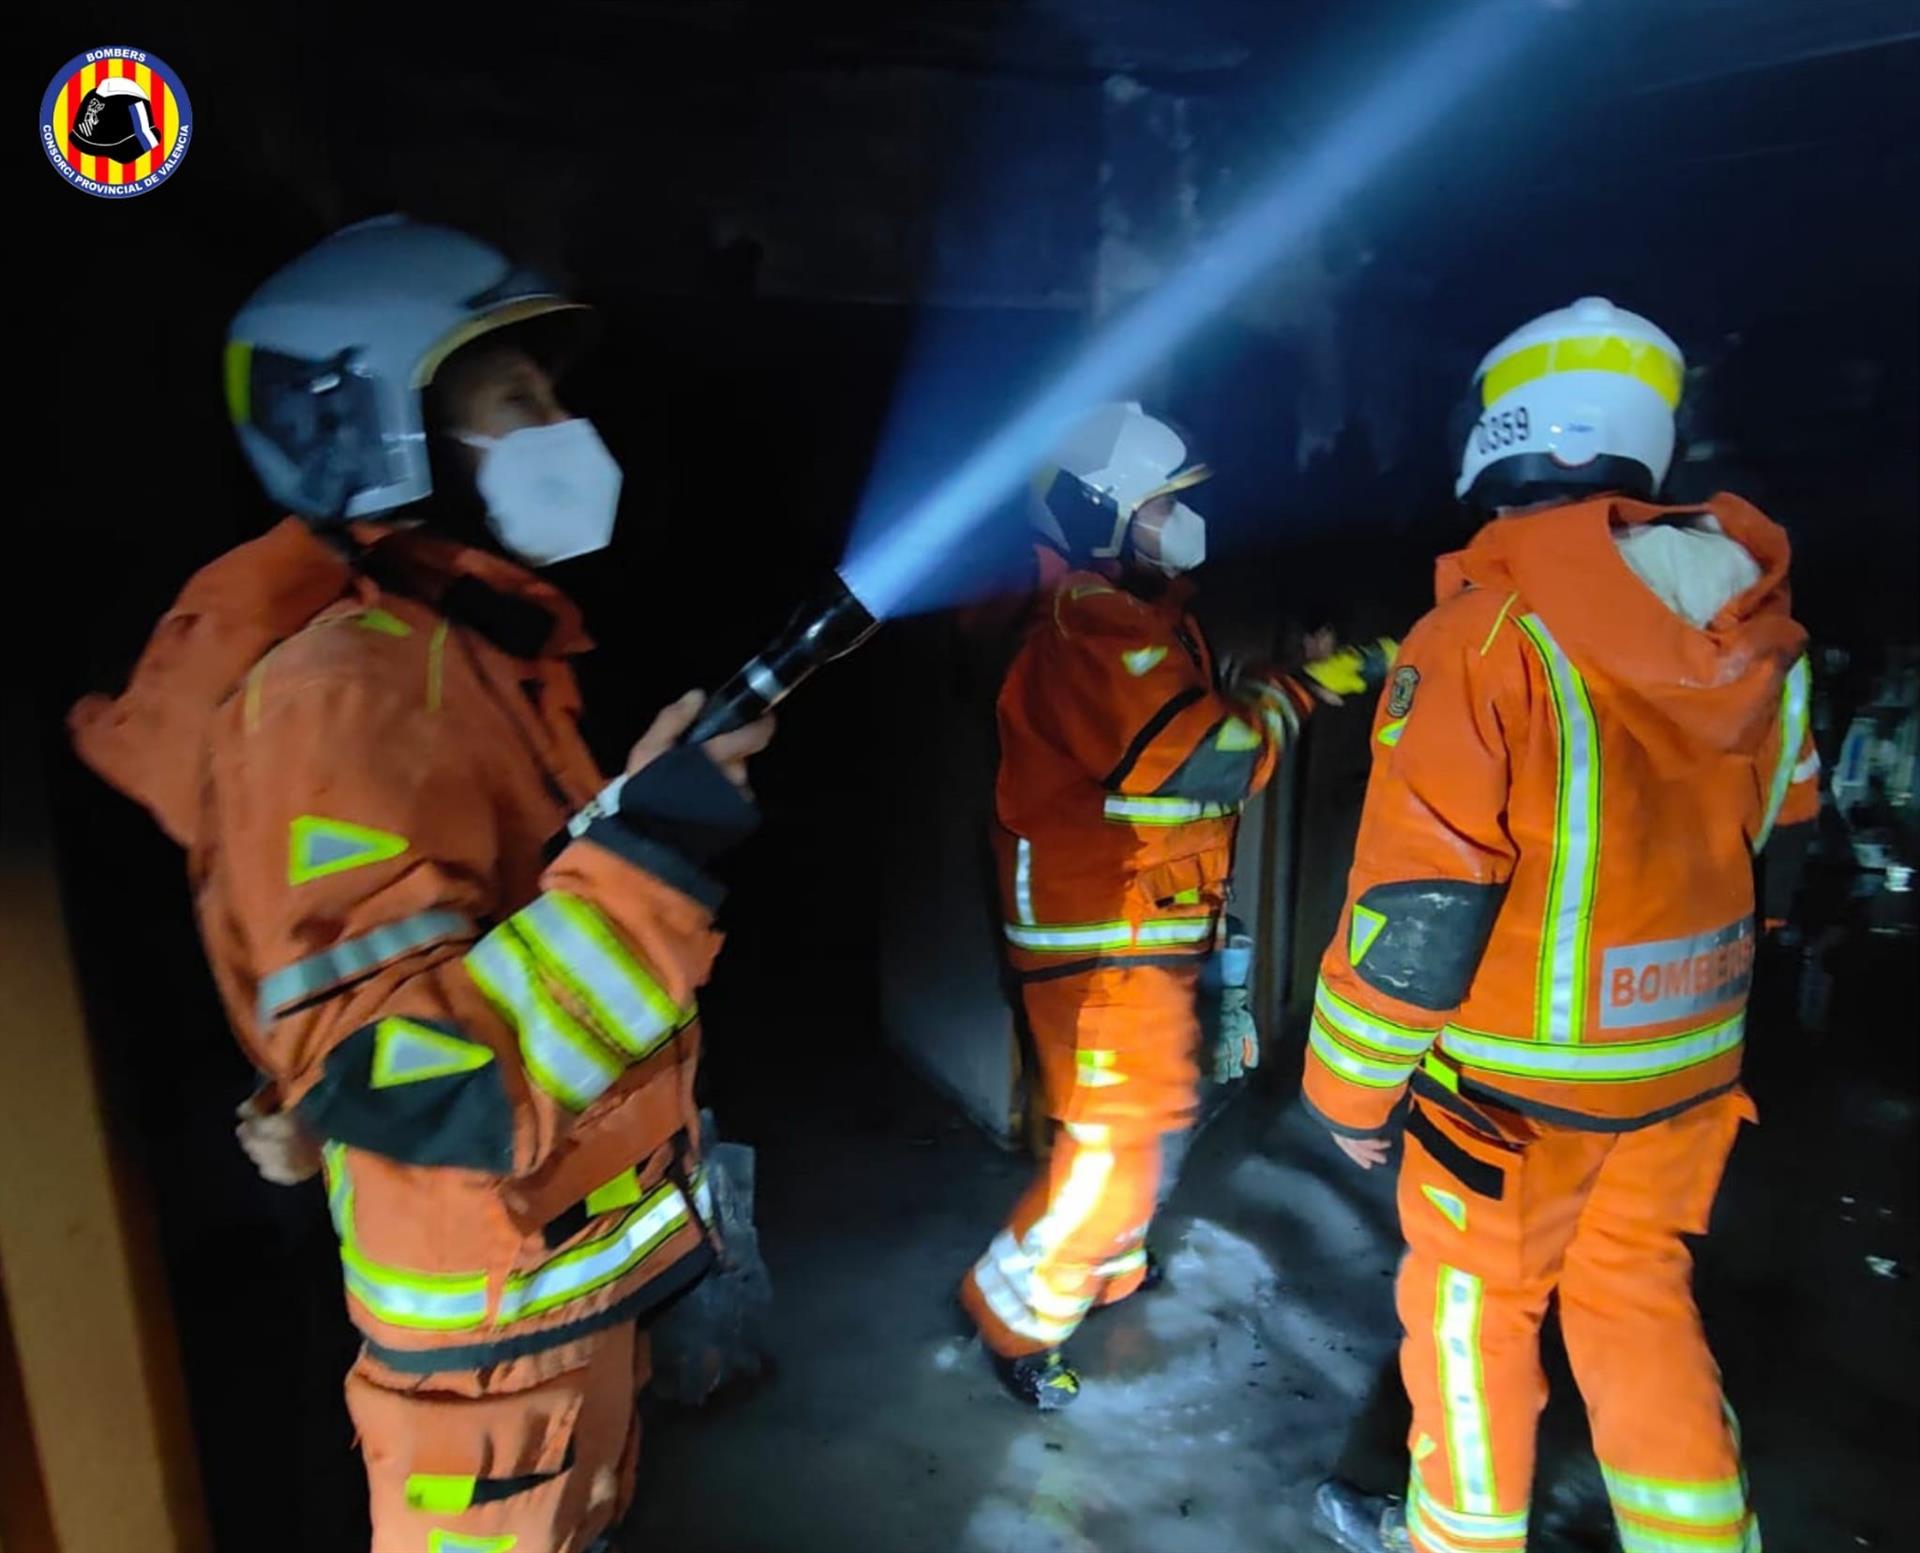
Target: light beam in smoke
890, 557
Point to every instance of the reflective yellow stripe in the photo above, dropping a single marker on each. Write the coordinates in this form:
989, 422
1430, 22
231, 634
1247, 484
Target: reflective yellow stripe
1607, 1063
1375, 1075
442, 1541
433, 1302
562, 1056
1635, 1538
1640, 360
1163, 811
1566, 934
1048, 939
1793, 736
1710, 1503
1097, 1069
576, 945
440, 1494
1371, 1030
1481, 1528
1456, 1335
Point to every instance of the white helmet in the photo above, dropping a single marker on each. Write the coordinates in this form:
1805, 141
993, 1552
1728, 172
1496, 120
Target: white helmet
1581, 399
326, 362
1109, 466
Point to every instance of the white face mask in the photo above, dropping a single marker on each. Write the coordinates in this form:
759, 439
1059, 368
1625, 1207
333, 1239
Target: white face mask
1175, 543
551, 491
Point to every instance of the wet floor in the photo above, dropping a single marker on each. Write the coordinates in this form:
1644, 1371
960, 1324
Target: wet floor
1214, 1404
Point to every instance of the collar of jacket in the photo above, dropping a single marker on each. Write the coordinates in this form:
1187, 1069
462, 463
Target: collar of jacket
1170, 595
521, 614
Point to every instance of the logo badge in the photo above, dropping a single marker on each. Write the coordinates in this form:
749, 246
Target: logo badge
115, 122
1406, 680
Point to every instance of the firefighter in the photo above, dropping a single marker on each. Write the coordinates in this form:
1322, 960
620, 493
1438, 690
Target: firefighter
1125, 757
462, 961
1549, 937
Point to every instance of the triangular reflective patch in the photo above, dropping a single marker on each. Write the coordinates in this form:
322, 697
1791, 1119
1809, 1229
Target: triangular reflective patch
409, 1053
1237, 735
1390, 735
319, 846
1450, 1206
1364, 930
1143, 660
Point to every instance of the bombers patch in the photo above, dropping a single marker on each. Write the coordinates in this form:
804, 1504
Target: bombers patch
1400, 689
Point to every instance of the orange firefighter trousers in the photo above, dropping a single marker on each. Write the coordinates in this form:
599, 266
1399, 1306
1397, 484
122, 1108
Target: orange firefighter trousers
1597, 1218
1116, 1047
553, 1440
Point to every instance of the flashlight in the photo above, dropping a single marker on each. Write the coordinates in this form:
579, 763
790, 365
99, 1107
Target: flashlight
828, 626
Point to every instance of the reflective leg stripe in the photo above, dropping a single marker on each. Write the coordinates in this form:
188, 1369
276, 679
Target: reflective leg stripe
1023, 879
1376, 1075
1120, 1266
1456, 1334
1699, 1504
562, 1056
1073, 937
1012, 1311
1097, 1069
433, 1302
599, 1262
353, 958
458, 1301
1635, 1538
1163, 811
1020, 1266
1365, 1029
573, 941
1794, 696
1475, 1532
1560, 1006
1604, 1064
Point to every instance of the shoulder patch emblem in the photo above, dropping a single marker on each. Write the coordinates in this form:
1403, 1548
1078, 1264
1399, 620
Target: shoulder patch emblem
1400, 689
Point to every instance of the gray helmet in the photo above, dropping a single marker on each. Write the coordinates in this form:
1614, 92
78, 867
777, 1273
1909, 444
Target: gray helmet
327, 361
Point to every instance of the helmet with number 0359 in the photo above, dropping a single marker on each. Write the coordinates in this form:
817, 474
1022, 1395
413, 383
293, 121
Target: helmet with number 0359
1108, 488
1578, 400
327, 363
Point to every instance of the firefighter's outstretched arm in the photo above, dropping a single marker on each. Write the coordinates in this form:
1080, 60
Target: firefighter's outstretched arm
403, 1006
1430, 867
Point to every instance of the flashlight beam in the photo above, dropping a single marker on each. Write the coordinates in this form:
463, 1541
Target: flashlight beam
884, 567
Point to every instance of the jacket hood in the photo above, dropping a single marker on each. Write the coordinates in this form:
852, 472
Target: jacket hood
1687, 692
150, 741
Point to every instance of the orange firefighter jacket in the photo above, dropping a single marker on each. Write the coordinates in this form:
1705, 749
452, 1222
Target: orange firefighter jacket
1122, 772
1551, 906
467, 964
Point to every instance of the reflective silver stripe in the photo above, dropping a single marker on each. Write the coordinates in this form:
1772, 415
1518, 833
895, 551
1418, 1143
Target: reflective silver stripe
1096, 935
1456, 1332
1131, 1262
428, 1301
1023, 880
1163, 811
355, 957
1485, 1528
563, 1058
1368, 1029
1376, 1075
1700, 1504
1181, 930
1109, 935
580, 1271
575, 943
1635, 1538
1793, 734
1618, 1060
1566, 935
1807, 769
